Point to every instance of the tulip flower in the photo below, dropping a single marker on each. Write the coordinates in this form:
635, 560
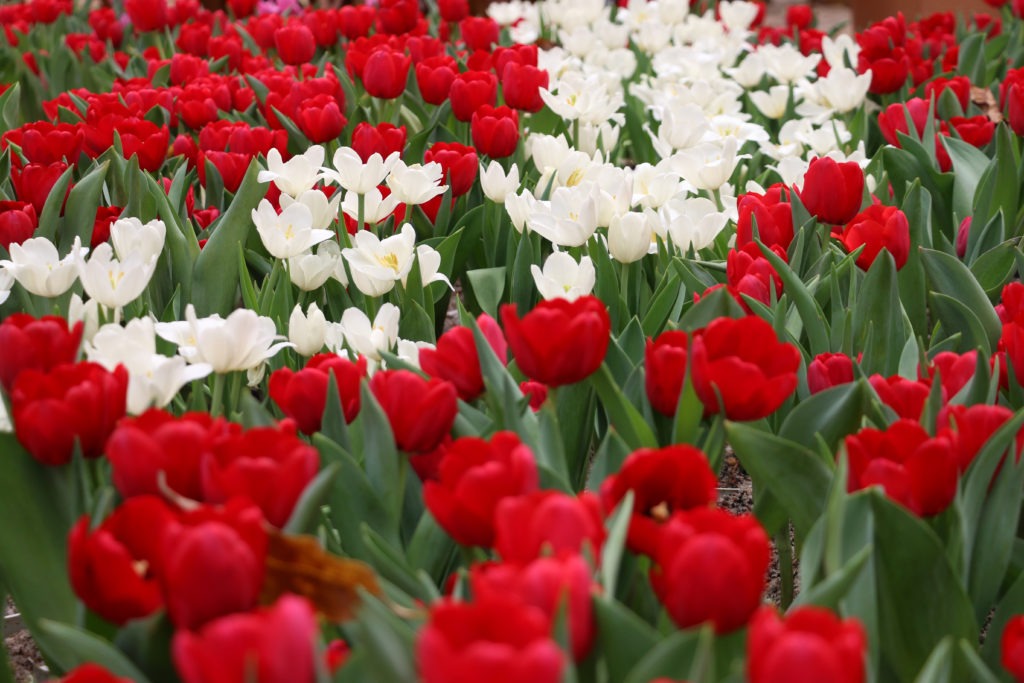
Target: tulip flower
376, 264
302, 395
130, 235
809, 643
298, 174
310, 271
421, 412
37, 266
368, 338
386, 72
548, 523
242, 341
37, 344
832, 192
455, 357
351, 173
417, 183
496, 184
289, 233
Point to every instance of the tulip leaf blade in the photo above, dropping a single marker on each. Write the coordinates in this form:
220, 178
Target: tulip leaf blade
810, 312
939, 666
306, 513
623, 415
215, 273
831, 414
387, 643
796, 476
957, 319
670, 656
624, 637
431, 549
717, 304
994, 268
969, 165
611, 555
88, 647
80, 213
488, 285
10, 108
950, 277
380, 453
49, 218
878, 318
911, 569
831, 591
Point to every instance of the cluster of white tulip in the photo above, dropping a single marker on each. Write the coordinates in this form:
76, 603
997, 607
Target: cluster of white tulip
703, 69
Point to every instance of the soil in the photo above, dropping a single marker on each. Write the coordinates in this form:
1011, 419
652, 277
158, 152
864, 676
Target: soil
22, 653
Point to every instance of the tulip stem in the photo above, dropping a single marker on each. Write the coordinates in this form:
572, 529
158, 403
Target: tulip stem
361, 213
784, 551
216, 403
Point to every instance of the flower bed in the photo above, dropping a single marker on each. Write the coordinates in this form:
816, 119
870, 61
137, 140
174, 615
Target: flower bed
359, 345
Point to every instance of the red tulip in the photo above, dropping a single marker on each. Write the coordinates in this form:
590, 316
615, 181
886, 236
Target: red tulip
459, 162
665, 370
495, 131
473, 478
112, 569
92, 673
663, 481
521, 84
749, 272
455, 358
711, 568
878, 227
421, 412
147, 15
808, 644
434, 78
971, 427
272, 645
833, 192
828, 370
471, 90
81, 401
548, 523
894, 119
906, 397
500, 640
27, 343
558, 342
320, 118
915, 470
383, 139
742, 364
295, 43
385, 73
453, 10
479, 33
774, 216
33, 183
302, 395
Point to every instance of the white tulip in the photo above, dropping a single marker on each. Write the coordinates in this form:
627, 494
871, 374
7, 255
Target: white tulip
323, 210
786, 64
409, 351
596, 138
709, 166
496, 185
569, 219
85, 312
369, 339
749, 72
37, 266
692, 222
519, 207
376, 208
840, 50
682, 126
112, 282
738, 15
416, 183
5, 420
654, 185
6, 284
298, 174
629, 237
130, 235
308, 332
310, 271
773, 102
153, 379
289, 233
355, 176
430, 264
242, 341
376, 265
563, 277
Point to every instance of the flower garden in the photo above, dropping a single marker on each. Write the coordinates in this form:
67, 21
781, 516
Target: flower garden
363, 344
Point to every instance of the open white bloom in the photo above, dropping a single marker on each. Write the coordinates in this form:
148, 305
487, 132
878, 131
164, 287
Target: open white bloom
113, 282
738, 15
310, 271
409, 350
153, 379
786, 64
842, 90
547, 151
37, 266
587, 98
709, 166
289, 233
130, 235
792, 171
652, 36
790, 140
519, 207
308, 331
369, 339
5, 420
683, 126
772, 103
496, 185
323, 210
6, 284
376, 207
841, 51
629, 236
695, 221
298, 174
430, 265
563, 278
416, 183
376, 264
736, 126
828, 138
242, 341
654, 185
352, 174
569, 219
749, 72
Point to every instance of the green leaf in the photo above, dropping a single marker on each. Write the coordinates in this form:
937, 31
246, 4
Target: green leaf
939, 666
810, 312
670, 657
911, 570
608, 459
215, 277
623, 415
624, 637
380, 454
387, 641
797, 478
969, 163
80, 213
949, 276
1010, 605
831, 415
979, 672
878, 317
49, 219
959, 321
614, 546
10, 114
431, 548
305, 516
831, 591
488, 285
87, 647
717, 304
995, 267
